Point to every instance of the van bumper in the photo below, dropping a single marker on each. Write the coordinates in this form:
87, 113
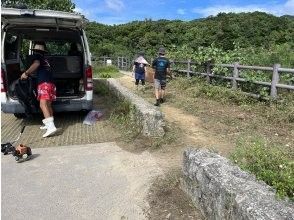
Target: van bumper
58, 106
12, 107
72, 105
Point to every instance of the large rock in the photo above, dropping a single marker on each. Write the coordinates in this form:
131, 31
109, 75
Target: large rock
223, 191
145, 115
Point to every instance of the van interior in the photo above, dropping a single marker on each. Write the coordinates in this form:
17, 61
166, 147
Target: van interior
65, 56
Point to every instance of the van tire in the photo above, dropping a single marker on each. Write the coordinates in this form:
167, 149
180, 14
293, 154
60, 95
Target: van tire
20, 115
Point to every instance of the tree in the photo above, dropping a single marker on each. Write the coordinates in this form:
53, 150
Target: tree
59, 5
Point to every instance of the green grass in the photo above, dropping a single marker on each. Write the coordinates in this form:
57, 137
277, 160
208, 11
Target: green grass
270, 163
106, 72
261, 129
277, 111
123, 118
101, 88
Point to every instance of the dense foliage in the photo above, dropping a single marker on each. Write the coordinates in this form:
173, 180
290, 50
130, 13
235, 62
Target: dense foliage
251, 38
60, 5
269, 163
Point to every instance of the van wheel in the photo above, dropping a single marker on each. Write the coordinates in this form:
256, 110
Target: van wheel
20, 115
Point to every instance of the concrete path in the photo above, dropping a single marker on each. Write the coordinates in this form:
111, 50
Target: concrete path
94, 181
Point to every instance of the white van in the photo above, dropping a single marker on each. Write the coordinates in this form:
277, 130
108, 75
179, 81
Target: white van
61, 31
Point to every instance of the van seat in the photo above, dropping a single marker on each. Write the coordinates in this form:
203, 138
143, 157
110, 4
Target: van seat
64, 67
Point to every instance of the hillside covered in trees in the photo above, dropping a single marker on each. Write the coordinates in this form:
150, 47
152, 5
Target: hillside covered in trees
249, 38
254, 38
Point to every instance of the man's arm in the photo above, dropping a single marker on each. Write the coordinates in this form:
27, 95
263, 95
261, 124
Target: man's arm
30, 70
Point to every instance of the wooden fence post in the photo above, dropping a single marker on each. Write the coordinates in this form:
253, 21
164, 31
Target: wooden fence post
275, 80
235, 75
118, 63
208, 71
188, 68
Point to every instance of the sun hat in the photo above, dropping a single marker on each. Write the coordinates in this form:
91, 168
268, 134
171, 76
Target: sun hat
161, 50
141, 59
39, 48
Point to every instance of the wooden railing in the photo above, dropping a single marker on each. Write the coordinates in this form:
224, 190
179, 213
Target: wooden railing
124, 63
235, 78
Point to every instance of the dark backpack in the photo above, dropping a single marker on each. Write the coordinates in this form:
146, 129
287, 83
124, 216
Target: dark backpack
25, 91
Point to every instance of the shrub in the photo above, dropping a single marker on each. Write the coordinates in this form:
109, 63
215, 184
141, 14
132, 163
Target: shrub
268, 163
101, 89
197, 87
106, 71
122, 117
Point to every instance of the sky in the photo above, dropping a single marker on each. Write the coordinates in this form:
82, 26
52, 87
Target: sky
123, 11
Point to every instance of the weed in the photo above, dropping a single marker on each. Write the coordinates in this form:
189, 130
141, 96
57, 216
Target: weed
171, 135
269, 163
122, 116
101, 89
106, 72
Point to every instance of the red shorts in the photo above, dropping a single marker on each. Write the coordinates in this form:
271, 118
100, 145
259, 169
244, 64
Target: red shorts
46, 91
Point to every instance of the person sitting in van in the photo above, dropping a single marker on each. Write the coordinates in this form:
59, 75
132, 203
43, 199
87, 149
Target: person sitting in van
46, 87
73, 51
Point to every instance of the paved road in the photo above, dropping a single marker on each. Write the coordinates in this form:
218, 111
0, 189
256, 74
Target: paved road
95, 181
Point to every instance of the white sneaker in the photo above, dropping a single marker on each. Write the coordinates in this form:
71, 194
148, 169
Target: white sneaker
43, 127
51, 129
50, 132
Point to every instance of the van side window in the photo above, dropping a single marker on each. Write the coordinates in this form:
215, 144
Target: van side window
11, 43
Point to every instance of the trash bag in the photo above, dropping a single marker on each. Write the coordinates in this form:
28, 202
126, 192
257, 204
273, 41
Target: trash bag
92, 117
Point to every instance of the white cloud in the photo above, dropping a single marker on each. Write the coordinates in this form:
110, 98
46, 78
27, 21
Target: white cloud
276, 9
289, 7
115, 5
90, 14
181, 11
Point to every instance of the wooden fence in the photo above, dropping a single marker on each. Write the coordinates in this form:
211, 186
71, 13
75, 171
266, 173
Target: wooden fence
235, 78
124, 63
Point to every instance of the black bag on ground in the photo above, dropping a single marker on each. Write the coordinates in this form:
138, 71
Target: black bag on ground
25, 91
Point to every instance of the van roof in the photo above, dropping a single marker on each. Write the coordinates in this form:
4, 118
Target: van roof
39, 16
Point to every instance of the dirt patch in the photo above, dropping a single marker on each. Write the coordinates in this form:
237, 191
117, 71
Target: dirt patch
194, 133
168, 201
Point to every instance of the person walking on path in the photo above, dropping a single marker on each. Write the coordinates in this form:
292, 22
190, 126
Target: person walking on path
140, 69
46, 86
161, 66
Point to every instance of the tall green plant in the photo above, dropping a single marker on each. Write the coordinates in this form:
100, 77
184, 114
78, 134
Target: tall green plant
59, 5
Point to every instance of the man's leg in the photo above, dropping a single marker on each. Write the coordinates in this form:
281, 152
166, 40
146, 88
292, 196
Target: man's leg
162, 93
157, 92
162, 87
49, 103
45, 109
137, 84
